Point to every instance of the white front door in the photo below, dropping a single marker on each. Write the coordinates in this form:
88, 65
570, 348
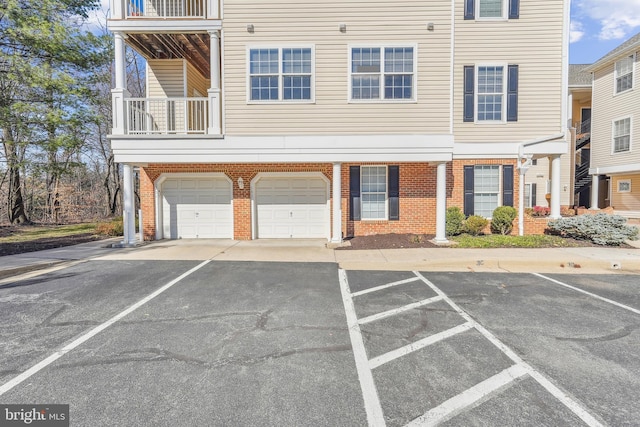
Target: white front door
197, 208
292, 208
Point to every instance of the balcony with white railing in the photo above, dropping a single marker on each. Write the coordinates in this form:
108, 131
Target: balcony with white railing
165, 9
166, 116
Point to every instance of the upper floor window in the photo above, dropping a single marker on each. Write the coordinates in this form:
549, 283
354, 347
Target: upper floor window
491, 9
382, 73
490, 93
622, 135
281, 74
624, 73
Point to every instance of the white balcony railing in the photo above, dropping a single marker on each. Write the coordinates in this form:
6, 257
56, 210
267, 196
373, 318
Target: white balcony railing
166, 9
152, 116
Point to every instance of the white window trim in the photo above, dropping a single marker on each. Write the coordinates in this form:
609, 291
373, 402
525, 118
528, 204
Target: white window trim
500, 187
386, 194
504, 17
280, 99
615, 74
626, 181
505, 83
414, 92
613, 136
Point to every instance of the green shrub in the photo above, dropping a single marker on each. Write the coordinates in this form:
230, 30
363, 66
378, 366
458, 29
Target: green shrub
601, 229
115, 227
454, 221
502, 219
475, 224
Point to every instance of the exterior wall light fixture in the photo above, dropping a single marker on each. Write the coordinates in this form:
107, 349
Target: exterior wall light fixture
241, 183
250, 28
343, 28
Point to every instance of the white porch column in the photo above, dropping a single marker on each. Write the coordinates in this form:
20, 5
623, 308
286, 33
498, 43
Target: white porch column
441, 204
336, 235
595, 192
555, 187
129, 215
119, 93
117, 11
215, 108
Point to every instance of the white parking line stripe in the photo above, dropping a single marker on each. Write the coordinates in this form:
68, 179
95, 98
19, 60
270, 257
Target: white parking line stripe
372, 405
93, 332
392, 355
395, 311
548, 385
388, 285
479, 392
626, 307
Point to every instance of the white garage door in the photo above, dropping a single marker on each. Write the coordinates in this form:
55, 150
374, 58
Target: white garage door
197, 208
292, 208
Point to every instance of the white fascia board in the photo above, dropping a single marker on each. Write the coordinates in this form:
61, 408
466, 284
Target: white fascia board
610, 170
163, 25
506, 150
284, 149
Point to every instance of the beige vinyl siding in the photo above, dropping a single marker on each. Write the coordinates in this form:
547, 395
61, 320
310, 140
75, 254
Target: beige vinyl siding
374, 23
196, 81
534, 43
165, 78
626, 201
608, 107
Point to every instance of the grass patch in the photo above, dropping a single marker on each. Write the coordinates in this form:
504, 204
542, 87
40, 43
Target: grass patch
29, 233
500, 241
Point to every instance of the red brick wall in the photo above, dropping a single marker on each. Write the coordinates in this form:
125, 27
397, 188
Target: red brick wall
417, 193
241, 198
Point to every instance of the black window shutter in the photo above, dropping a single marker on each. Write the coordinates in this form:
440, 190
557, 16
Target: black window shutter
469, 9
394, 192
512, 94
514, 9
534, 190
354, 193
507, 185
468, 190
469, 83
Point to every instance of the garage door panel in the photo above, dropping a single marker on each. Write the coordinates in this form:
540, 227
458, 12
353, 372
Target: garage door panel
292, 208
197, 208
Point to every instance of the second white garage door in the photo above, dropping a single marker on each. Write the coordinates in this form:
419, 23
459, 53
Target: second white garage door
292, 208
197, 207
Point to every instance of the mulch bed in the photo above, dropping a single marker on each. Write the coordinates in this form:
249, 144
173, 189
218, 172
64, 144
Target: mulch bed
391, 241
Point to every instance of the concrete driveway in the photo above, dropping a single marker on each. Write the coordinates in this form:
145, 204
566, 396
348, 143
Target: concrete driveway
170, 342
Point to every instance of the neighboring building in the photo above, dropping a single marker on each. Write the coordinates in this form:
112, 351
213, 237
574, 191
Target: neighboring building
580, 82
615, 130
301, 119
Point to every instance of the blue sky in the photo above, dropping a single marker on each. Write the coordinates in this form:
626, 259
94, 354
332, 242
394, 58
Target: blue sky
599, 26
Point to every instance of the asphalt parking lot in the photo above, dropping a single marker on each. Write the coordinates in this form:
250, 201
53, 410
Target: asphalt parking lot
185, 343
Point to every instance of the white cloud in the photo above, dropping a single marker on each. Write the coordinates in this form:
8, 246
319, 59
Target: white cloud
576, 32
618, 18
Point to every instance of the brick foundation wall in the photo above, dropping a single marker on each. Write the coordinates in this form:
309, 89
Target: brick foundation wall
418, 183
241, 198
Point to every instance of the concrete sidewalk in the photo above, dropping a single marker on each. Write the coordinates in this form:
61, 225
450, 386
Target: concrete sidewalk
549, 260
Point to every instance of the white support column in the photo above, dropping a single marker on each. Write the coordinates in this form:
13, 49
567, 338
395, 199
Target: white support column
555, 187
213, 9
215, 107
441, 204
117, 9
119, 93
595, 192
336, 235
129, 215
